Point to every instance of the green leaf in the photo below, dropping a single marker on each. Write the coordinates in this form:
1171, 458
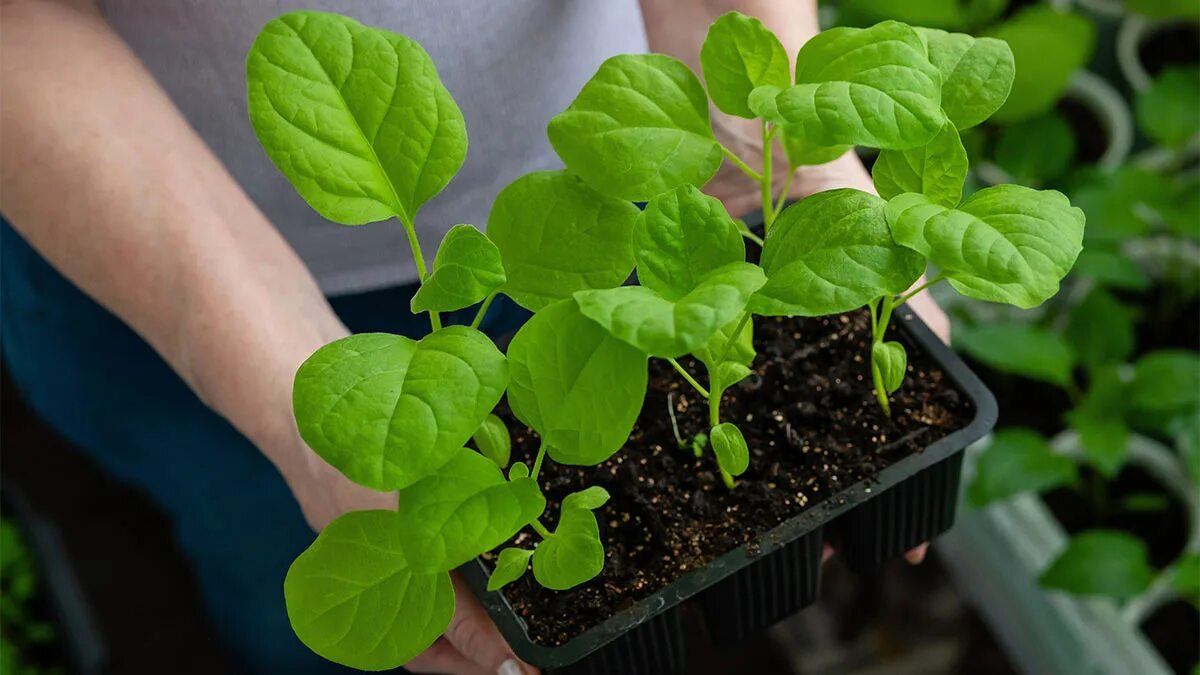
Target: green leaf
741, 351
387, 411
352, 598
466, 269
1048, 46
1018, 460
518, 470
493, 440
832, 252
730, 373
730, 448
1165, 9
1101, 562
1036, 150
864, 86
1167, 113
1005, 243
936, 170
977, 74
671, 328
1166, 381
1186, 577
510, 566
1120, 204
1100, 421
740, 53
575, 384
1019, 349
681, 237
557, 236
573, 553
639, 127
1100, 329
799, 149
891, 362
355, 117
464, 509
1110, 269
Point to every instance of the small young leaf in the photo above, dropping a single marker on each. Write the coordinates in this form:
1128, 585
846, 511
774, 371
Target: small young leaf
464, 509
864, 86
1019, 349
374, 613
1005, 243
1166, 381
518, 470
1018, 460
578, 386
740, 53
977, 74
742, 350
465, 270
832, 252
1101, 562
1036, 150
1048, 46
1100, 421
355, 117
730, 373
681, 237
1100, 329
730, 448
668, 329
1110, 269
638, 128
387, 411
573, 554
493, 440
1167, 113
936, 170
890, 359
510, 566
557, 236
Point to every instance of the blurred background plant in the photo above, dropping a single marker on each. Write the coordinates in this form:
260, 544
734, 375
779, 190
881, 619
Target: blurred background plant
27, 638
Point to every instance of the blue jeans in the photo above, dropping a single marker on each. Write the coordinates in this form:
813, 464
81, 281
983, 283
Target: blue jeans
105, 390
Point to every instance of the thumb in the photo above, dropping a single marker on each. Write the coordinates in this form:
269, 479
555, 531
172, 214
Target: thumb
472, 632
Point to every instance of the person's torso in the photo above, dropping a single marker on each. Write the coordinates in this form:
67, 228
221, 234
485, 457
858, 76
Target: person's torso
510, 64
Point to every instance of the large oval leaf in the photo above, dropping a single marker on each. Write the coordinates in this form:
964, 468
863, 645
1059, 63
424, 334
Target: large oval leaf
865, 86
937, 169
465, 270
387, 411
1026, 350
832, 252
464, 509
573, 553
578, 386
557, 236
355, 117
682, 236
638, 127
977, 74
671, 328
352, 598
1006, 243
740, 53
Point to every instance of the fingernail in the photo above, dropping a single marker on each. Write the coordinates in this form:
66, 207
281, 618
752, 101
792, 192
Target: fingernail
510, 667
917, 555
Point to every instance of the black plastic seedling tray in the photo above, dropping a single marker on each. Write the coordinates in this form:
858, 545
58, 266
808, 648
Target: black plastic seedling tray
753, 586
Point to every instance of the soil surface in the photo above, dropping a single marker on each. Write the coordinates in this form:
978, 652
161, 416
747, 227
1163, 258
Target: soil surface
814, 428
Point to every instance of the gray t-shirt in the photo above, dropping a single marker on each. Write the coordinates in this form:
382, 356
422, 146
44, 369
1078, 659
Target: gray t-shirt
510, 64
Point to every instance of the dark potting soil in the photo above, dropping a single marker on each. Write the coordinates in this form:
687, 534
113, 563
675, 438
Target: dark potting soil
1091, 138
814, 428
1177, 44
1173, 630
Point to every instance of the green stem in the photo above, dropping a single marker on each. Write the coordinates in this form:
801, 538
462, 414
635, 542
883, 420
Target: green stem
879, 326
537, 463
752, 237
540, 528
687, 376
714, 419
787, 186
768, 199
908, 296
435, 321
737, 161
732, 339
880, 392
886, 305
487, 302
